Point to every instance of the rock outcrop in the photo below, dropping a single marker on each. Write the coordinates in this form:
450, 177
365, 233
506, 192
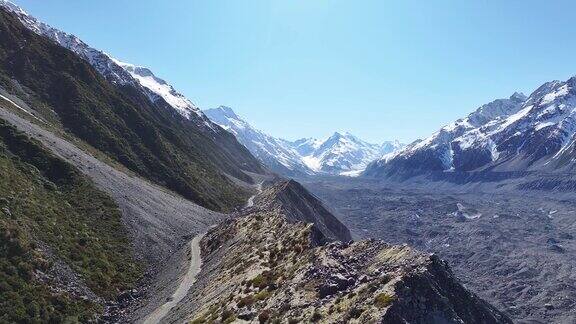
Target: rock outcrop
266, 265
297, 204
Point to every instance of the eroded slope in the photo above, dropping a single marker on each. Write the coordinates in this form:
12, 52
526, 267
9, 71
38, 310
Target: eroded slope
292, 200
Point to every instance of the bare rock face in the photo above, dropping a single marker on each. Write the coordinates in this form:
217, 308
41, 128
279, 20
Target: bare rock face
261, 268
298, 205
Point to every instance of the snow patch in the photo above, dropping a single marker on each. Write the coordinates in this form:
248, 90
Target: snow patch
312, 162
552, 96
160, 88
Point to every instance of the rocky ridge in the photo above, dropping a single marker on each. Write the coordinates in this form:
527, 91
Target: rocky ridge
297, 204
259, 267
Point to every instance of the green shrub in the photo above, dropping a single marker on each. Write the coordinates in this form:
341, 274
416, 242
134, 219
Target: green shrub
264, 316
355, 312
316, 317
77, 222
227, 316
199, 320
263, 295
264, 280
383, 300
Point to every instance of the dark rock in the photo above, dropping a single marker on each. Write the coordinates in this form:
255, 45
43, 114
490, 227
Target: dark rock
327, 289
246, 315
127, 296
557, 248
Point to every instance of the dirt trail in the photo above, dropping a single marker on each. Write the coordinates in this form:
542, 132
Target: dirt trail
160, 223
250, 202
187, 282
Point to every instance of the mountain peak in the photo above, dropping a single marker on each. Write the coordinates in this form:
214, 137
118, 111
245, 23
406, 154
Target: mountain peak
224, 116
228, 111
337, 135
518, 96
342, 134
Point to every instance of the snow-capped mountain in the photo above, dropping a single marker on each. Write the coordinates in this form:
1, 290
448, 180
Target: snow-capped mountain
343, 153
340, 154
515, 134
158, 88
275, 153
306, 146
115, 71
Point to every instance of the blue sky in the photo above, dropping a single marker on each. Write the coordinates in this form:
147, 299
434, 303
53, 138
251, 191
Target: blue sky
299, 68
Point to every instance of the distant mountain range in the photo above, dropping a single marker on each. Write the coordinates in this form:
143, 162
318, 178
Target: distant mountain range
340, 154
517, 134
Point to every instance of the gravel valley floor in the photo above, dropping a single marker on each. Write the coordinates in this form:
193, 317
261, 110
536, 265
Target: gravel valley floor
515, 250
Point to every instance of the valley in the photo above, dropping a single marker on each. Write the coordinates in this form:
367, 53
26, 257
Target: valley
514, 248
122, 201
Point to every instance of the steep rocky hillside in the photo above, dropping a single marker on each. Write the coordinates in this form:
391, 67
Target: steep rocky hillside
158, 222
289, 198
63, 248
121, 120
261, 268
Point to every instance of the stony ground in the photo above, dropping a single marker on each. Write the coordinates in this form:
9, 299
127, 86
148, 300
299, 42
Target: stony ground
516, 250
259, 268
159, 222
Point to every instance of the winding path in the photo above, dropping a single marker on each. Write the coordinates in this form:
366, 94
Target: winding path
187, 282
250, 202
190, 278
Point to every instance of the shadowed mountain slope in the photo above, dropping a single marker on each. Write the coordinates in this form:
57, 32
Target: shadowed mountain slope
121, 121
298, 205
